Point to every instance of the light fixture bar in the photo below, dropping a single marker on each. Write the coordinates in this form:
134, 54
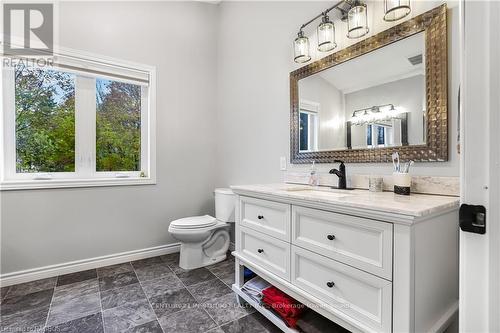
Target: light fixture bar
336, 6
376, 113
375, 108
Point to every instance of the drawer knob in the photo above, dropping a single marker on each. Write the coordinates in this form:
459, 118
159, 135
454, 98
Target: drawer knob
260, 217
260, 250
330, 284
330, 237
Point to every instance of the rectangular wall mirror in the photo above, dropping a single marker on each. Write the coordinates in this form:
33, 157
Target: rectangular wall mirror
382, 94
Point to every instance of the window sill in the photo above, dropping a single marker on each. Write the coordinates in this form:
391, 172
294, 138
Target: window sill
72, 183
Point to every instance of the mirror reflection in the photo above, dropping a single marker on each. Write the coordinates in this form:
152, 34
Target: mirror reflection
375, 100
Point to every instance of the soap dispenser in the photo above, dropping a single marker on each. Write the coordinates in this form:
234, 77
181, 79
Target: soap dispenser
313, 176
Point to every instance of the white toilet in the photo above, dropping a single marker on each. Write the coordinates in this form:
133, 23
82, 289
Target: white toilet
205, 239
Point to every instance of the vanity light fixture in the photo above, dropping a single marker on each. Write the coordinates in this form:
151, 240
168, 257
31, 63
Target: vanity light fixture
355, 12
357, 21
396, 9
301, 47
326, 35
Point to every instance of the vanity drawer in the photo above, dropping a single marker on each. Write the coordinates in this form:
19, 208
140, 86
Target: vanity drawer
362, 243
269, 217
265, 251
361, 295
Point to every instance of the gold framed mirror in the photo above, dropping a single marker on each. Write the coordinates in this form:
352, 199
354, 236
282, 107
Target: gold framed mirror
386, 93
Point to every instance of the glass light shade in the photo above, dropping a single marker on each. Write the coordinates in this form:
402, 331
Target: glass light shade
396, 9
301, 48
357, 21
377, 114
326, 35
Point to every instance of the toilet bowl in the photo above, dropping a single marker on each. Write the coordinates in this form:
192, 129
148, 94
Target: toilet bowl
205, 239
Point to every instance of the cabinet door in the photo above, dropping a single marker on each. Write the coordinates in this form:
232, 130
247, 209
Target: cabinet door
361, 295
363, 243
269, 217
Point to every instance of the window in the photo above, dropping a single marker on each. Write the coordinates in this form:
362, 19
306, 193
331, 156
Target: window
44, 120
369, 136
304, 131
378, 133
80, 122
308, 125
308, 131
118, 125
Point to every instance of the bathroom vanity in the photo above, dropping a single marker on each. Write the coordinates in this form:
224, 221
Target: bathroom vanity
367, 261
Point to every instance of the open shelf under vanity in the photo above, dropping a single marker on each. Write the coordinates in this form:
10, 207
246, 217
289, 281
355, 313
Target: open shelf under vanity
276, 320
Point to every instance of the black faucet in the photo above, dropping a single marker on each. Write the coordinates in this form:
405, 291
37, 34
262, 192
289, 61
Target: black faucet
341, 174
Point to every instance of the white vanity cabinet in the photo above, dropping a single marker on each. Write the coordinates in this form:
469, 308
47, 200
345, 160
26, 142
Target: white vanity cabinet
367, 270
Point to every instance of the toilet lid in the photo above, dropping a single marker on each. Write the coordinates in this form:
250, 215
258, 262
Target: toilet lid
194, 222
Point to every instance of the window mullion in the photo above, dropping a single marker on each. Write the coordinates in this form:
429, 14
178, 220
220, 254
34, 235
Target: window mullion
85, 122
8, 141
145, 131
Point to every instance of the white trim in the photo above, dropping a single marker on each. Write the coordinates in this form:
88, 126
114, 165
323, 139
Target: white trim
477, 136
72, 183
312, 109
80, 265
8, 117
309, 106
85, 126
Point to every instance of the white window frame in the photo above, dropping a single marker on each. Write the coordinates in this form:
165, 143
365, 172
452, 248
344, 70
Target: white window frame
312, 109
85, 174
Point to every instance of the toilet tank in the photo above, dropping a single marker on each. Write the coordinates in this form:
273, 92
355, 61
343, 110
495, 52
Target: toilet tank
225, 204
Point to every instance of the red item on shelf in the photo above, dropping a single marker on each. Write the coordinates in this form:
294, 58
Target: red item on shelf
285, 306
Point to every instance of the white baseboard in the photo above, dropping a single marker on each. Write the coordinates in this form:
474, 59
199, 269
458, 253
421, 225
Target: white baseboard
81, 265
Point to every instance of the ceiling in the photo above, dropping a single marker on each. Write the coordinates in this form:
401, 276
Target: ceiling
384, 65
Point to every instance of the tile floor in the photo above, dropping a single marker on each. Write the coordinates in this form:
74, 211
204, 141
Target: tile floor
150, 295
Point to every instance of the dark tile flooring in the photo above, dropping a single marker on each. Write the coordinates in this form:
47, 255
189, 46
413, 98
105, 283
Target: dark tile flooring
150, 295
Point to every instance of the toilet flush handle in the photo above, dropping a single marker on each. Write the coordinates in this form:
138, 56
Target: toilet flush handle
260, 250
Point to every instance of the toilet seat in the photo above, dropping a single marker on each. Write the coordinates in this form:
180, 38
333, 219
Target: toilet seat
194, 222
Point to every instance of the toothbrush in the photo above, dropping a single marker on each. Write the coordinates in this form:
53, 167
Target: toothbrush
395, 161
408, 165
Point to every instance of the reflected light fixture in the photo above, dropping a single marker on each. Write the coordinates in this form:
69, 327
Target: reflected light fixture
326, 35
376, 113
357, 21
301, 48
396, 9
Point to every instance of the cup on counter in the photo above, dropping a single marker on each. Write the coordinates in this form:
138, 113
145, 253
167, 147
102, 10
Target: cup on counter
376, 184
402, 183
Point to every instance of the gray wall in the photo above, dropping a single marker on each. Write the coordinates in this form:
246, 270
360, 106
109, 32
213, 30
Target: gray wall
45, 227
222, 118
331, 115
408, 93
255, 60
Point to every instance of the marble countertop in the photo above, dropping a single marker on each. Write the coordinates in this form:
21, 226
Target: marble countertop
413, 206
